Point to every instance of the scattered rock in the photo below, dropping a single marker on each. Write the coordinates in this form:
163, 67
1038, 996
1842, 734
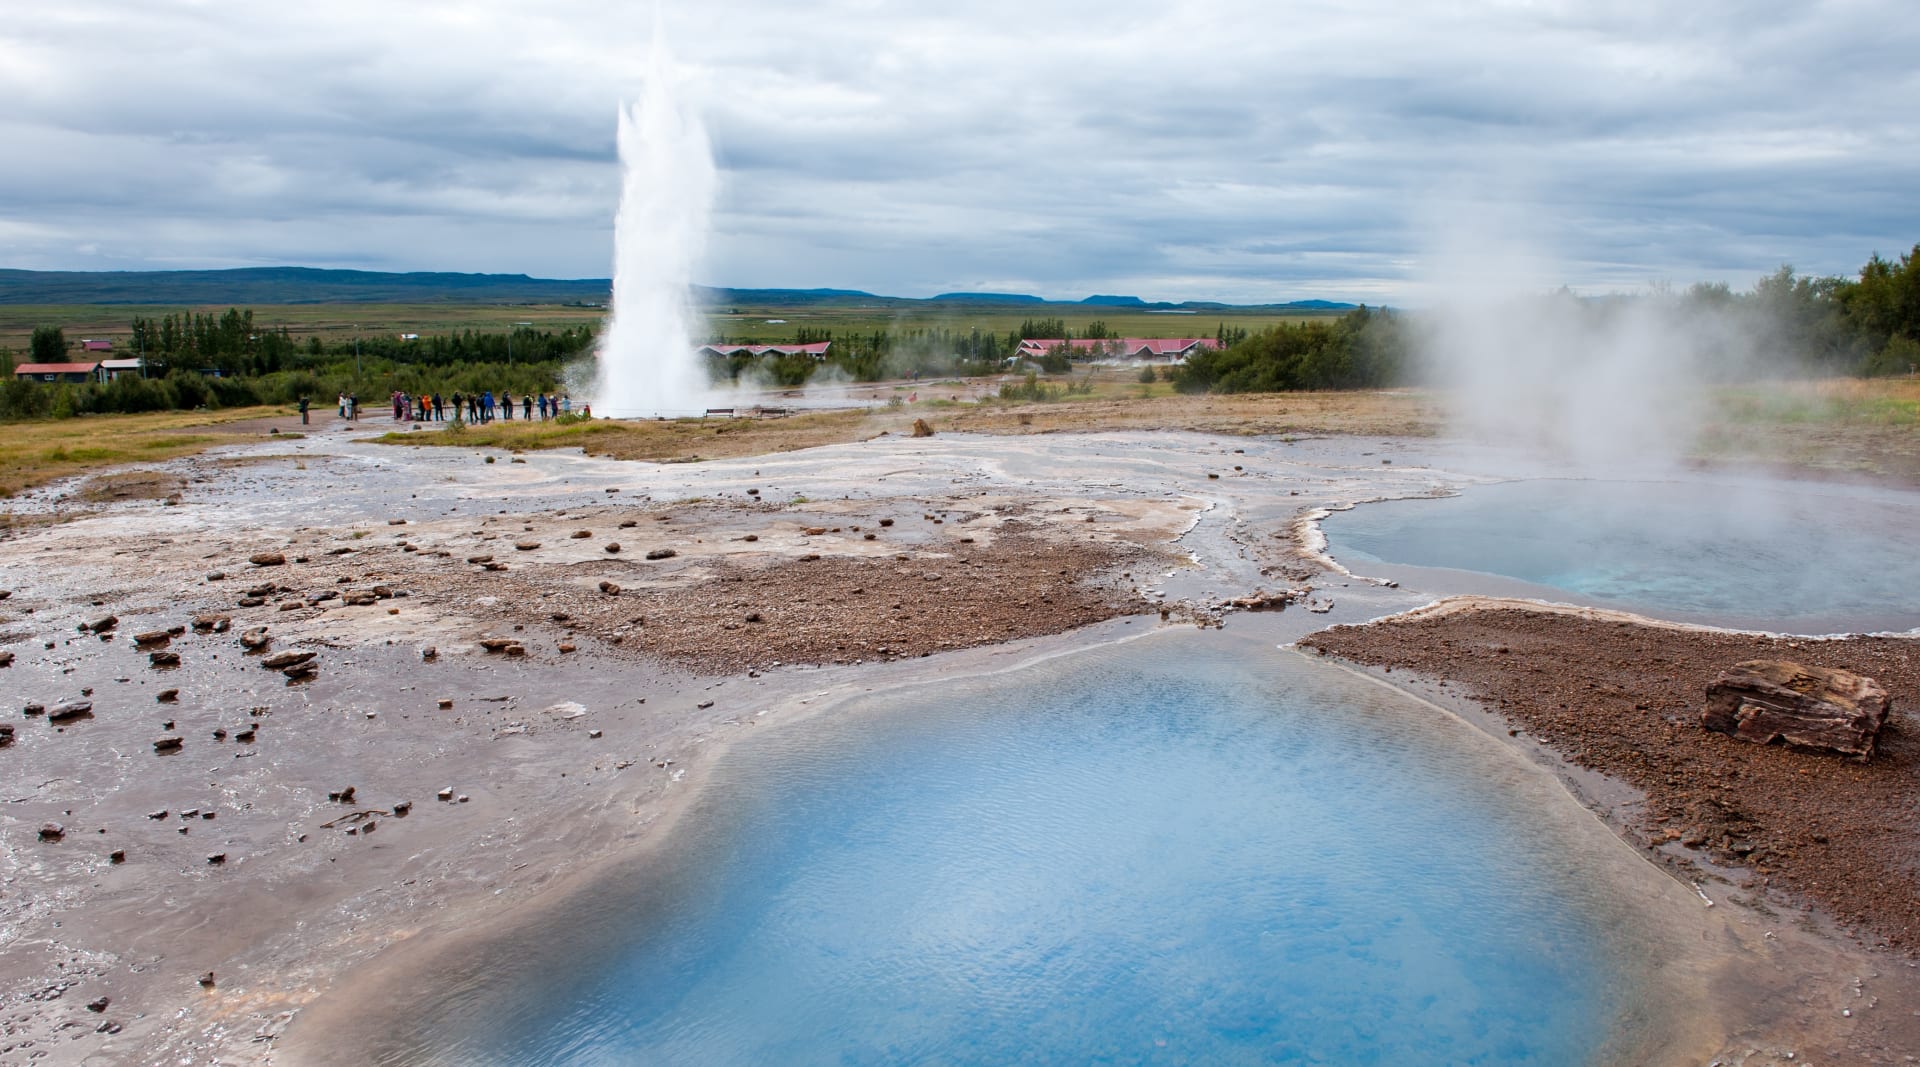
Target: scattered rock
99, 1005
401, 808
359, 600
282, 660
921, 428
1815, 707
429, 653
167, 696
628, 524
6, 659
396, 522
497, 644
495, 567
68, 712
526, 546
577, 534
255, 639
118, 855
610, 588
168, 744
216, 859
662, 553
246, 736
515, 649
566, 646
152, 637
102, 624
477, 560
593, 735
445, 794
267, 559
342, 796
216, 624
163, 659
1261, 600
612, 546
6, 734
250, 601
303, 671
446, 703
52, 831
206, 980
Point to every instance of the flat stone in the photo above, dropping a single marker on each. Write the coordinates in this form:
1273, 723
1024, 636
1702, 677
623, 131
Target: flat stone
282, 660
267, 559
661, 553
163, 659
73, 709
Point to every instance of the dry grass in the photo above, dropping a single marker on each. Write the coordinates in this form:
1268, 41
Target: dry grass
689, 440
38, 451
1845, 425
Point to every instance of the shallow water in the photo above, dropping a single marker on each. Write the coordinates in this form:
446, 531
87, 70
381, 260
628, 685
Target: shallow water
1788, 557
1158, 852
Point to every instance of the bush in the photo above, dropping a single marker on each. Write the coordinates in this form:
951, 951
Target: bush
1147, 375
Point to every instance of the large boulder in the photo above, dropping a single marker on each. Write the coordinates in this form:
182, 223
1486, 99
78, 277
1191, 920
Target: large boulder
1763, 700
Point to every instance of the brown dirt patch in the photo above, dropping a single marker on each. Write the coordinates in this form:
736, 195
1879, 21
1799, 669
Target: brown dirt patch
1624, 699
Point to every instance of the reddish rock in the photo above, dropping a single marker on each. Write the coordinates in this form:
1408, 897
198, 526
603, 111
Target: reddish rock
1764, 700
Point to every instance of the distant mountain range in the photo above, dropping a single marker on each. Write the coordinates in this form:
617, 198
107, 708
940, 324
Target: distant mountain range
309, 285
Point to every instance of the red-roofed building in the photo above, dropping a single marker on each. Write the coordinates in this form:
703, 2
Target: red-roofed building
90, 345
57, 372
1161, 349
818, 350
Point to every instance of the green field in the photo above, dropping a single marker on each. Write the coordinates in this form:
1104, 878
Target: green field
738, 323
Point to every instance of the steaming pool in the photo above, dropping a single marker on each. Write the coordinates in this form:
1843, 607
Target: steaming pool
1175, 850
1787, 557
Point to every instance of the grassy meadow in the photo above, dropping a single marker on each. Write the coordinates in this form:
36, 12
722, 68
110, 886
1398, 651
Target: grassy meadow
336, 322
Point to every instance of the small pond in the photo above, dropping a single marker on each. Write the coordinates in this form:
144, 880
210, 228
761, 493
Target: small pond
1787, 557
1175, 850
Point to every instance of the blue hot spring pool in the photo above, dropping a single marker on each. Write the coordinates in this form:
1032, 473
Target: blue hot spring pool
1168, 851
1789, 557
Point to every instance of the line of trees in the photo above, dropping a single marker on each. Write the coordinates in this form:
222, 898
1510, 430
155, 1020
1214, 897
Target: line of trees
1787, 323
213, 361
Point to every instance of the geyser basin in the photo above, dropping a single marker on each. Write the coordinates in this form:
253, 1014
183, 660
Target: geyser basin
1176, 850
1789, 557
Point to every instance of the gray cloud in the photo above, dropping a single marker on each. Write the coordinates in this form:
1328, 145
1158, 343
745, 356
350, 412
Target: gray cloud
1217, 148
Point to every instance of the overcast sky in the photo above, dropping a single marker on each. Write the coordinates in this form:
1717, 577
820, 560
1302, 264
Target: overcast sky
1202, 149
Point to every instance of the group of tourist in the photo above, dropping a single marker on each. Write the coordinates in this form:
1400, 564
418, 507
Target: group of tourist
479, 407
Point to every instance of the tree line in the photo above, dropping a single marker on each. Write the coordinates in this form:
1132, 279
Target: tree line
198, 360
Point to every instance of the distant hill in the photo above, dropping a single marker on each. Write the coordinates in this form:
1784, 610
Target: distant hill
310, 285
289, 285
985, 298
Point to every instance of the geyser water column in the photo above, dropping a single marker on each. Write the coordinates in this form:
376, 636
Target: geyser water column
647, 364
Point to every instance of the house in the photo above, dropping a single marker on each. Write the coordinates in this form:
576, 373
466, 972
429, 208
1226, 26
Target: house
1147, 349
115, 368
91, 345
57, 372
818, 350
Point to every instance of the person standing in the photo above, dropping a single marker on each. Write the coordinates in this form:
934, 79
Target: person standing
566, 404
439, 409
458, 398
303, 412
526, 406
543, 407
506, 403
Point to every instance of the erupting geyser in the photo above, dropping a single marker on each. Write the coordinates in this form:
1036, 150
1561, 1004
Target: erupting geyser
647, 364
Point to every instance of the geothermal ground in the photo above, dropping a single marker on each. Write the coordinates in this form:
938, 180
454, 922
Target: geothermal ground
512, 666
